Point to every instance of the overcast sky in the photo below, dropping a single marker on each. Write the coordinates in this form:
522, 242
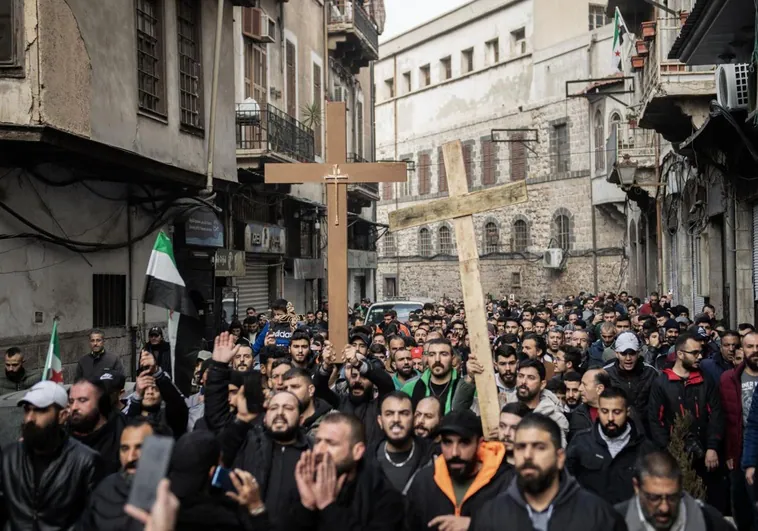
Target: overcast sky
403, 15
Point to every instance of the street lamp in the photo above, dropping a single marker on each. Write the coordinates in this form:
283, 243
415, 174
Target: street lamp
626, 169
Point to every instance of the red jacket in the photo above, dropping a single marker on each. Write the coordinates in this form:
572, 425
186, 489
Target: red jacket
730, 389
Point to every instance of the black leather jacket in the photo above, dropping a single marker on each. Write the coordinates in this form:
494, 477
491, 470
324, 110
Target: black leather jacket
63, 493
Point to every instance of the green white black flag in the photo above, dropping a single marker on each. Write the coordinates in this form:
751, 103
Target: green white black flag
619, 33
164, 286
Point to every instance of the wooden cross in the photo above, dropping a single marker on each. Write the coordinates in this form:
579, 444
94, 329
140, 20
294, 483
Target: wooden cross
336, 174
460, 206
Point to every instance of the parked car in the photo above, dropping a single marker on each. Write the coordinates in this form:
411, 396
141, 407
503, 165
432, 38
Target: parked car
403, 307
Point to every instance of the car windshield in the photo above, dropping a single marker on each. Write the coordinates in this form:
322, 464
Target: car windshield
403, 309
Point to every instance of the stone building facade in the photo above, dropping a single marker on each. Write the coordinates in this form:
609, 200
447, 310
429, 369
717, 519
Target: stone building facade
492, 76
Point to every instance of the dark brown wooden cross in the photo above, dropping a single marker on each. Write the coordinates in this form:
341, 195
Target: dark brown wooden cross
336, 174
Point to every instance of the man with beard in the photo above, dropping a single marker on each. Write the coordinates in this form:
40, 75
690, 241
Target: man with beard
593, 383
47, 477
269, 451
16, 377
722, 361
506, 362
152, 390
683, 388
602, 459
93, 422
159, 348
554, 342
660, 502
468, 474
736, 390
440, 379
572, 381
544, 496
633, 375
243, 359
98, 360
598, 348
402, 364
298, 382
427, 418
401, 454
106, 507
300, 351
510, 416
362, 378
532, 393
534, 347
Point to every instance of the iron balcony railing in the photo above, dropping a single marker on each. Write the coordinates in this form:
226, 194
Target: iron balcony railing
270, 129
371, 187
351, 12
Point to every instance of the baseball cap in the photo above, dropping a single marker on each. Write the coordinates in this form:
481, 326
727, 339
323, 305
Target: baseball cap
359, 335
45, 394
670, 324
155, 330
417, 352
464, 423
113, 380
627, 341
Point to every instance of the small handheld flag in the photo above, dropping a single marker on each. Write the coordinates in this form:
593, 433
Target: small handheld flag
53, 366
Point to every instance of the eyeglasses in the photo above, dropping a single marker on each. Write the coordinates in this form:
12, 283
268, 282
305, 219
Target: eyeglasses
693, 352
657, 499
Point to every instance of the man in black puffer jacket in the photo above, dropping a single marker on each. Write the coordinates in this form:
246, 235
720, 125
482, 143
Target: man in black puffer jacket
48, 477
526, 503
602, 459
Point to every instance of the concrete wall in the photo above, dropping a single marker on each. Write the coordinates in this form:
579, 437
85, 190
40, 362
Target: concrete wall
556, 20
81, 77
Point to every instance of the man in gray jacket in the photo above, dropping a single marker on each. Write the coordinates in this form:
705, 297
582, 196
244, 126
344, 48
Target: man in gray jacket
16, 377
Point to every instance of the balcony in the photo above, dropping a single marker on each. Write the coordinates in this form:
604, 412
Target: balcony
672, 92
353, 35
268, 133
632, 160
364, 193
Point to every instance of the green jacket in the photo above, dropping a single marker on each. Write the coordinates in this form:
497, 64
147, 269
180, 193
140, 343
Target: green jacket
419, 389
399, 385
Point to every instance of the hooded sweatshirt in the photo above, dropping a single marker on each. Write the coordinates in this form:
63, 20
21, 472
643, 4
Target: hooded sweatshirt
550, 406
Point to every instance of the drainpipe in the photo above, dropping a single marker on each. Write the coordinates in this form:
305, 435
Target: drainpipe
130, 315
214, 96
592, 195
731, 259
397, 185
658, 228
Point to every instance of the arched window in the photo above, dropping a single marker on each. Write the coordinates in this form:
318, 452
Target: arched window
562, 231
390, 248
599, 142
520, 236
491, 238
425, 242
445, 240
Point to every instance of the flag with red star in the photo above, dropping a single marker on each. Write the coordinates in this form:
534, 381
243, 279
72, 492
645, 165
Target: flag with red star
619, 32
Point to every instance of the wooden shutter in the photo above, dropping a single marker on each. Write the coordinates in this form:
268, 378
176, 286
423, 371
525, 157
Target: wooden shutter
424, 173
359, 132
260, 74
386, 191
441, 171
291, 81
488, 162
518, 157
248, 28
318, 100
467, 163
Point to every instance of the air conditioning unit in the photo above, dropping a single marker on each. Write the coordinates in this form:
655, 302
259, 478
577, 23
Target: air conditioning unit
257, 25
732, 86
552, 258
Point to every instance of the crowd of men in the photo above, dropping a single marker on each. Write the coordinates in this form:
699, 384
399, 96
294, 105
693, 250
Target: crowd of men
616, 414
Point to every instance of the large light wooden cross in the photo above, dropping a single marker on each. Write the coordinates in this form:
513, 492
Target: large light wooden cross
336, 174
460, 206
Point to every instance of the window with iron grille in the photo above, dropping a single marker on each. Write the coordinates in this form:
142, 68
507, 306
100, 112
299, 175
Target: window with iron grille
424, 173
598, 19
190, 68
151, 89
559, 148
108, 301
491, 238
441, 172
11, 38
425, 242
562, 231
445, 240
520, 236
390, 249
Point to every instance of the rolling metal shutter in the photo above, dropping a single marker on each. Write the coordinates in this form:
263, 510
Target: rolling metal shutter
253, 287
755, 252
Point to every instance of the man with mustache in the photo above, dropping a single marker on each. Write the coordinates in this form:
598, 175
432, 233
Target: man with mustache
572, 380
243, 358
533, 394
269, 451
505, 379
543, 495
469, 473
300, 351
106, 507
16, 377
402, 453
47, 476
602, 459
660, 502
593, 383
298, 382
510, 416
440, 379
402, 364
363, 377
427, 418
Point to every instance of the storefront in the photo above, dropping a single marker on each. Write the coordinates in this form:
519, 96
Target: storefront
264, 251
